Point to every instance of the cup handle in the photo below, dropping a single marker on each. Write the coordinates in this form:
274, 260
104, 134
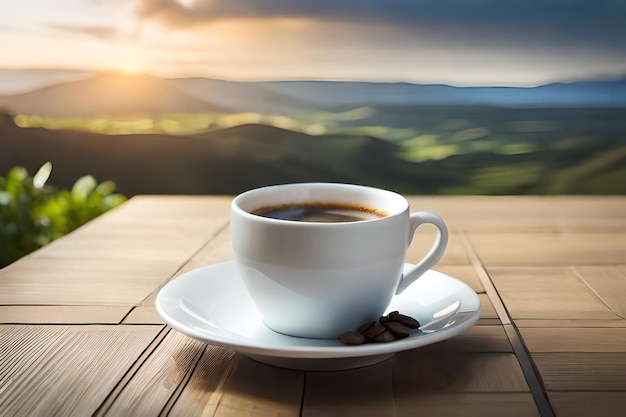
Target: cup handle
434, 255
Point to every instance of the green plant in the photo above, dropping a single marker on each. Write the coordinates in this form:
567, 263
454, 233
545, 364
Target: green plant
33, 213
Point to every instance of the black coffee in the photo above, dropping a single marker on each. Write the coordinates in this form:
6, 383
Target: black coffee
321, 212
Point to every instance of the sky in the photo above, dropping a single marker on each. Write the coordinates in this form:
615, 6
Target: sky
457, 42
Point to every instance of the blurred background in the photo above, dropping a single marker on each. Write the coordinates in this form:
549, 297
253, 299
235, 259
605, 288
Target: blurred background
217, 96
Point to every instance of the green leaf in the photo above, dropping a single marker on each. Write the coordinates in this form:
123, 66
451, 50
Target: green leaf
42, 175
32, 214
15, 180
113, 200
5, 198
105, 188
83, 187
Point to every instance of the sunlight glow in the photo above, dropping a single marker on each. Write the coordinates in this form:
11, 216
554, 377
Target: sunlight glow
131, 68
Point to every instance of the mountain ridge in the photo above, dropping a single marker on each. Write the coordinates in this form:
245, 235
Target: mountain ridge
110, 94
230, 160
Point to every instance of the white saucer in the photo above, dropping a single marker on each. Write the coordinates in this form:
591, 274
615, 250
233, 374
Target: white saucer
212, 305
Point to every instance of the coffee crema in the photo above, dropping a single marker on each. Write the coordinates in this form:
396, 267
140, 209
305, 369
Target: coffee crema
320, 212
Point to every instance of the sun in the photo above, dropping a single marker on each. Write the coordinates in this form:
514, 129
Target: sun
131, 67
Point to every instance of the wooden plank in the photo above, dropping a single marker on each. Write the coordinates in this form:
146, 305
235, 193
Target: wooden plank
43, 281
144, 315
609, 283
527, 213
62, 314
423, 241
148, 392
364, 392
255, 389
65, 370
582, 371
519, 350
152, 215
582, 323
487, 310
154, 228
585, 404
465, 273
120, 248
203, 392
575, 339
467, 405
489, 322
536, 249
422, 371
218, 249
488, 339
168, 209
547, 293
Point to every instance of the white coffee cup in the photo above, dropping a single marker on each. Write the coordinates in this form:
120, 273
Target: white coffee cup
318, 279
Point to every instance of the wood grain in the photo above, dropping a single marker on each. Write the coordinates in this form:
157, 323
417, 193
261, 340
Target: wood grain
65, 370
487, 311
255, 389
35, 314
536, 249
523, 214
158, 378
487, 339
217, 249
585, 404
427, 371
151, 215
555, 265
44, 281
149, 228
609, 284
203, 392
465, 273
363, 392
547, 293
575, 339
582, 323
423, 241
582, 371
467, 405
144, 315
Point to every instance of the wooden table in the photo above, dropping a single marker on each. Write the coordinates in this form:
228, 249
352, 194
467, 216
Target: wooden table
80, 335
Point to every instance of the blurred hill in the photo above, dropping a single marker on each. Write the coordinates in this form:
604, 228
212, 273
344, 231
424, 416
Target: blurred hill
226, 161
562, 138
111, 94
229, 161
107, 94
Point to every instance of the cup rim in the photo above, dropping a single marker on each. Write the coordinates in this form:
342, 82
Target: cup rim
399, 202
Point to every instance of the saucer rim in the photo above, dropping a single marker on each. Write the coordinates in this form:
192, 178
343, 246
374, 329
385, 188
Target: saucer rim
172, 289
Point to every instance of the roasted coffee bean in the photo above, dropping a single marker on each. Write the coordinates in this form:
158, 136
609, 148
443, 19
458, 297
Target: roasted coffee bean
388, 317
398, 329
391, 327
385, 336
408, 321
365, 326
392, 316
373, 331
352, 338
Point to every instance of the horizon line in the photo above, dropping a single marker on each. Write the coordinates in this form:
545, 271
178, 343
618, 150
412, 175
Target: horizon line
617, 76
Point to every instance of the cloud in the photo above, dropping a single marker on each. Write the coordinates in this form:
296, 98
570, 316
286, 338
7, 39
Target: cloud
459, 35
569, 25
102, 32
389, 11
